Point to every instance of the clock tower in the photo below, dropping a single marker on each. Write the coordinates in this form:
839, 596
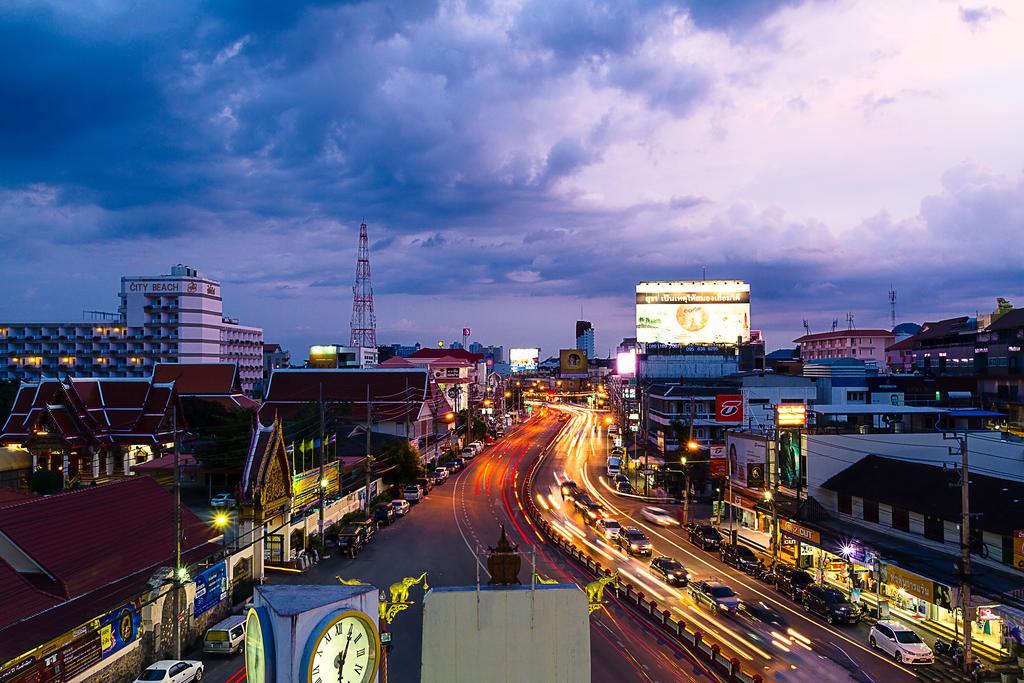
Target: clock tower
313, 634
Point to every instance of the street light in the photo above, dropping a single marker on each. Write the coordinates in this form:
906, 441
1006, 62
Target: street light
220, 521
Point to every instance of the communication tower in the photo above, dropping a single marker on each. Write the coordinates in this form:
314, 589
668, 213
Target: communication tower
364, 324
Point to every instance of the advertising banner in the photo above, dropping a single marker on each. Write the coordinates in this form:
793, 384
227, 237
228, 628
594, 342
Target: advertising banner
789, 457
306, 485
1018, 549
801, 533
625, 364
911, 583
573, 363
729, 408
719, 465
523, 360
790, 415
211, 588
694, 312
748, 456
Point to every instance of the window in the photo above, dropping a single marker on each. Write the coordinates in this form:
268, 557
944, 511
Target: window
871, 511
856, 396
846, 503
900, 519
934, 529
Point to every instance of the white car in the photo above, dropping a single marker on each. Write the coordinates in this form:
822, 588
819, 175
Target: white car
222, 500
401, 507
477, 447
659, 516
440, 473
608, 528
413, 493
900, 643
173, 671
468, 453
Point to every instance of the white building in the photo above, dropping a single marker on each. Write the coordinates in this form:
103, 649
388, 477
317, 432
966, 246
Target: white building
174, 318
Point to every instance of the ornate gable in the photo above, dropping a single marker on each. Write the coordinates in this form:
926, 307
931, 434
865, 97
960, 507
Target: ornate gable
266, 486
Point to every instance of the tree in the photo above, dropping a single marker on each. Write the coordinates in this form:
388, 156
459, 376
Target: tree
697, 461
222, 435
479, 426
45, 482
404, 465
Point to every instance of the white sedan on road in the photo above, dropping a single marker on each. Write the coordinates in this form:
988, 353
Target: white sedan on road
659, 516
173, 671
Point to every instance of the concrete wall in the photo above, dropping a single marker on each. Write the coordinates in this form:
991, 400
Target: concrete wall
511, 634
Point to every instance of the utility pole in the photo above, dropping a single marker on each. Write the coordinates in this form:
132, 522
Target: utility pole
686, 467
369, 452
320, 481
775, 500
177, 535
965, 547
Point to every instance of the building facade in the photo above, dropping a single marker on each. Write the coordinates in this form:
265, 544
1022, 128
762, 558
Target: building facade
585, 337
865, 345
173, 318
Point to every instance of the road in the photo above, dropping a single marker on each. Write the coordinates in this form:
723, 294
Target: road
807, 650
443, 533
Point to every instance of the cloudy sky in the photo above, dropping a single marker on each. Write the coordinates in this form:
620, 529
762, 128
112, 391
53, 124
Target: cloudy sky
516, 161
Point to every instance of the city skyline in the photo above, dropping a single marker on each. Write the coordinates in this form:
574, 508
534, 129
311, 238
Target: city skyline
754, 142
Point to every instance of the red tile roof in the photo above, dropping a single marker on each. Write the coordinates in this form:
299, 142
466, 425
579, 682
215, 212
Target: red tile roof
461, 354
94, 536
216, 382
19, 597
8, 495
396, 393
100, 411
844, 333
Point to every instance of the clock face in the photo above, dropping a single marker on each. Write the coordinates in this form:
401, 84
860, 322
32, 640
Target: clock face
344, 648
258, 647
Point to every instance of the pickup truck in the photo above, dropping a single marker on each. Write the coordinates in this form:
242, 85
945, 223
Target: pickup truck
350, 539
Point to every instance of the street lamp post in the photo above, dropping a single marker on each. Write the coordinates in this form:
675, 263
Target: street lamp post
220, 520
692, 446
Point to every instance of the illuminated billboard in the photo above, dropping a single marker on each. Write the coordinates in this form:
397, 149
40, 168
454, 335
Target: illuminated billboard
573, 363
625, 364
695, 312
523, 360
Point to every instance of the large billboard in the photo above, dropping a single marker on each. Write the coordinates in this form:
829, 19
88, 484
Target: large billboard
748, 459
695, 312
625, 363
523, 360
573, 363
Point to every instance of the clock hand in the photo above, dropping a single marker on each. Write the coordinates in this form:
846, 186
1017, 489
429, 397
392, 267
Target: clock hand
344, 654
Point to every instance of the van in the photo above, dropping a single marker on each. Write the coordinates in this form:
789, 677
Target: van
614, 466
226, 637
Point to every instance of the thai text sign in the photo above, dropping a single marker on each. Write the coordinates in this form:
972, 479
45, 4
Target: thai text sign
211, 588
799, 532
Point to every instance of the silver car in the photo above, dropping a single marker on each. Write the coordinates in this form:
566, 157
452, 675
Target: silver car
715, 595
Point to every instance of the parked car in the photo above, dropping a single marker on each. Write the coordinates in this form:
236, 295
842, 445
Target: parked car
900, 643
715, 595
426, 484
634, 542
830, 603
659, 516
413, 493
618, 450
383, 515
350, 539
173, 671
401, 507
792, 581
705, 536
609, 528
222, 500
623, 487
739, 556
440, 473
227, 636
468, 453
619, 478
458, 463
670, 571
477, 446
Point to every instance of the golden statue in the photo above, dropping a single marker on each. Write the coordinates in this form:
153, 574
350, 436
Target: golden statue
541, 579
595, 592
400, 589
351, 582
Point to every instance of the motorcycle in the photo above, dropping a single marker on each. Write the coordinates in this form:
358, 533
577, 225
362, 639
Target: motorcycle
764, 573
953, 650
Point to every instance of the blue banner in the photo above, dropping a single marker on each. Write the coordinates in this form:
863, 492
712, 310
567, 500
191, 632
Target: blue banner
119, 628
211, 588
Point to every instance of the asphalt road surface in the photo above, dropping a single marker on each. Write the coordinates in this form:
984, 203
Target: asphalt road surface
442, 536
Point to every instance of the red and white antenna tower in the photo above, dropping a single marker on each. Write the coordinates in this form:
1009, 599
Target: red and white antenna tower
364, 323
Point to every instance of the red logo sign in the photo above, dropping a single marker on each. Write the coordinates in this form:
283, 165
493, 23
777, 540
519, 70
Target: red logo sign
729, 408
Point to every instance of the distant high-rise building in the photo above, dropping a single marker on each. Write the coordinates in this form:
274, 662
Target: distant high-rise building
585, 337
476, 347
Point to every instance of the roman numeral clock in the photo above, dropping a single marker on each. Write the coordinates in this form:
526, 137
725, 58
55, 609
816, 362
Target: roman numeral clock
313, 634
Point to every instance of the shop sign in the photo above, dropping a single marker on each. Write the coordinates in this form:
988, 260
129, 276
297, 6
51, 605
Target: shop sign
719, 466
1018, 549
729, 408
799, 532
745, 450
211, 588
790, 415
755, 475
921, 588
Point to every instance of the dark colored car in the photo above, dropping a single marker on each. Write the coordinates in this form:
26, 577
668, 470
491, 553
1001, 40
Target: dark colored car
623, 487
569, 490
426, 483
634, 542
369, 527
792, 581
739, 556
384, 515
590, 509
830, 603
715, 595
705, 536
668, 570
350, 539
763, 613
620, 478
